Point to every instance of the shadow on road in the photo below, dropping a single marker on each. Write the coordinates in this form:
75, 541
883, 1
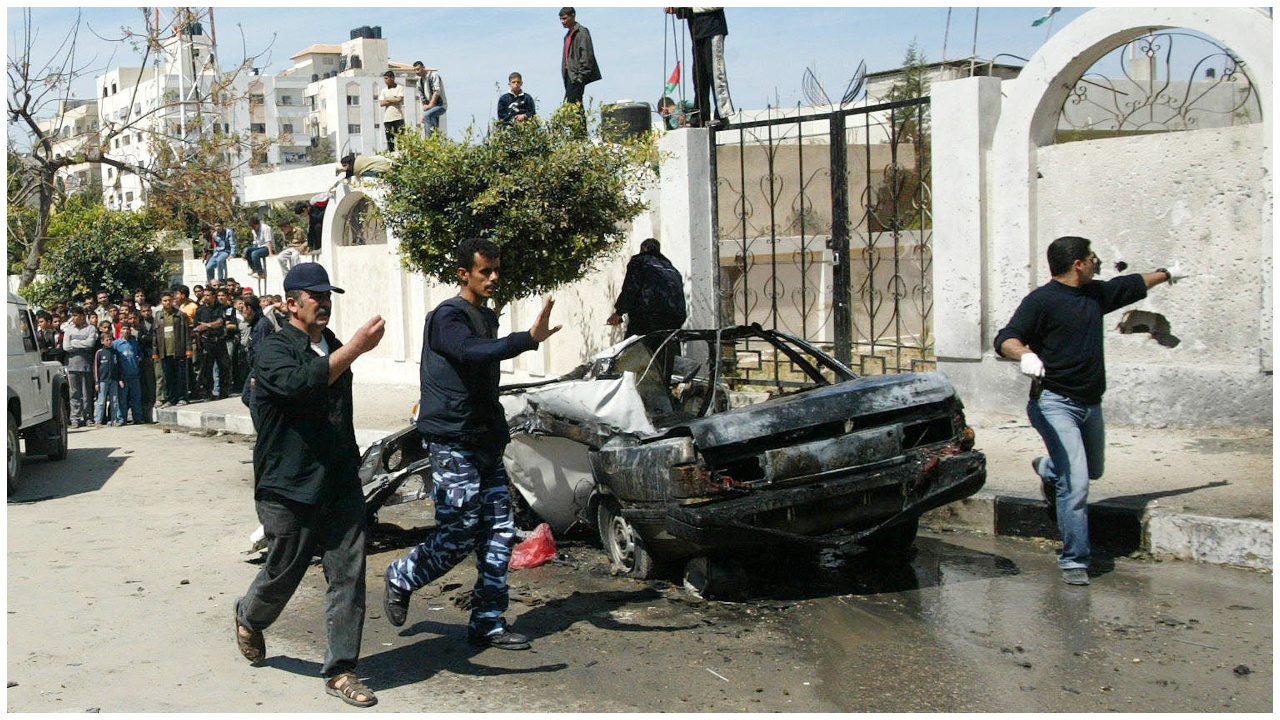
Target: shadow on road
84, 470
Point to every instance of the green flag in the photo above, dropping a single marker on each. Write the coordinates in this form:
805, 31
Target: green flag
1045, 18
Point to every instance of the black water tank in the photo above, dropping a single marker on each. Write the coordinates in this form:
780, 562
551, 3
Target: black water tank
377, 32
625, 119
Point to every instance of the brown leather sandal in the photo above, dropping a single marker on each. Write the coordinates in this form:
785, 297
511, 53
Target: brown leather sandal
253, 646
348, 687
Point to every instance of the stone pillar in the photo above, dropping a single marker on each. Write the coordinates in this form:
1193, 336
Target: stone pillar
685, 219
965, 113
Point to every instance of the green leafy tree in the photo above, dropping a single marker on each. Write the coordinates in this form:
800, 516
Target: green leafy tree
552, 199
100, 249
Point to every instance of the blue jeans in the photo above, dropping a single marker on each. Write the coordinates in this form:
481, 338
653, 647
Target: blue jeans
1075, 437
254, 256
473, 515
108, 401
431, 118
217, 263
130, 400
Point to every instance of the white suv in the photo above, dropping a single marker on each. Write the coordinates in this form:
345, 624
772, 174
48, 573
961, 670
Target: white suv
39, 404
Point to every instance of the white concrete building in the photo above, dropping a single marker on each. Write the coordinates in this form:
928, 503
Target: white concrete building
169, 102
75, 131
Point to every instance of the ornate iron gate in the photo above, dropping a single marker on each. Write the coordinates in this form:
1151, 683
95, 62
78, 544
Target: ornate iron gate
824, 231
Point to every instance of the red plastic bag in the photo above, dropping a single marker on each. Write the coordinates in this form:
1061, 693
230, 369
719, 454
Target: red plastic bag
535, 550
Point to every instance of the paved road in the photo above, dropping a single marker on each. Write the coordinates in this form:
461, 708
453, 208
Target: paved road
124, 560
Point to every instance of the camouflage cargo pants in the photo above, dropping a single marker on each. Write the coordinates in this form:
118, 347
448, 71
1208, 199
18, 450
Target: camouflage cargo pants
473, 514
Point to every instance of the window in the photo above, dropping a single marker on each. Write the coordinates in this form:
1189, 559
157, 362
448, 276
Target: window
127, 140
138, 138
258, 127
353, 128
286, 128
353, 99
286, 100
128, 197
256, 99
113, 89
116, 143
137, 108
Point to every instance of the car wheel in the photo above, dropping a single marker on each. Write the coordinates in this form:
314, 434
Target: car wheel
15, 454
56, 437
894, 542
622, 543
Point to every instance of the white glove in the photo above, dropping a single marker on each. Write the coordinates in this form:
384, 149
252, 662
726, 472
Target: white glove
1031, 366
1176, 272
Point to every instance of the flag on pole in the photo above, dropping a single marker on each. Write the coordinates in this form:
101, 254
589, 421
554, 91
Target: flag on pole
674, 81
1045, 18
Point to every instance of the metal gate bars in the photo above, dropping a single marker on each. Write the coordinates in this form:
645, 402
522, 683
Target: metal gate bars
824, 231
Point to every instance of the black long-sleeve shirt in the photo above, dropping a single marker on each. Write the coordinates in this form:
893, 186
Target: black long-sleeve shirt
306, 449
1063, 326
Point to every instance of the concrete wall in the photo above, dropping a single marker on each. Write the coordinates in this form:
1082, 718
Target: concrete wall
1002, 191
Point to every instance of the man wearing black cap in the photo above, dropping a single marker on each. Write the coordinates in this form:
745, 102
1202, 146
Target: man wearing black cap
306, 491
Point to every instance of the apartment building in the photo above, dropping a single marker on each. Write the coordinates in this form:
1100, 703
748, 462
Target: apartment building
74, 131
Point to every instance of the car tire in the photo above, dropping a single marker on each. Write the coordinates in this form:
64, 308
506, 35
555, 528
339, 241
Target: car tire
15, 454
893, 543
622, 543
56, 431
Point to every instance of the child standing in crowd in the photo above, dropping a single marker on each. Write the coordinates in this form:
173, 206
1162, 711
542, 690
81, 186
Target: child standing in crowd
106, 373
129, 356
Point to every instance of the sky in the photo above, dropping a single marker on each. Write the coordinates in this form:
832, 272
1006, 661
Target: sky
767, 49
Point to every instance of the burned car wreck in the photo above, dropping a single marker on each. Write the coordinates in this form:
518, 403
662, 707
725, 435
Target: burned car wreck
692, 443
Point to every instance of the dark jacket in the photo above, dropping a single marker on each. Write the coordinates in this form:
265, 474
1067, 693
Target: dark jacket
306, 449
704, 22
652, 295
509, 106
1063, 326
176, 343
579, 63
459, 376
106, 366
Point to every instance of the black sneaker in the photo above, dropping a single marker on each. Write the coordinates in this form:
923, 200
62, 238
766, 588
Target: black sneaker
504, 640
395, 602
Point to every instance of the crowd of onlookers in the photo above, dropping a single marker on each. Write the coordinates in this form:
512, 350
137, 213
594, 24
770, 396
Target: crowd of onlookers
125, 357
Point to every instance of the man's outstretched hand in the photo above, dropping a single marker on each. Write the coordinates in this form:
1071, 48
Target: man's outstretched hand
541, 329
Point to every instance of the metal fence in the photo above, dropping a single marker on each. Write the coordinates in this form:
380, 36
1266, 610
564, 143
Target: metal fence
824, 230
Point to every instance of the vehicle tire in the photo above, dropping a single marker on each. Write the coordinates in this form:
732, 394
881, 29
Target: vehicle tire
56, 435
893, 543
15, 454
622, 543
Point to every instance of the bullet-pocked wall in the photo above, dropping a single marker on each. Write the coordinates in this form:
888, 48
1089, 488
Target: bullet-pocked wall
1003, 189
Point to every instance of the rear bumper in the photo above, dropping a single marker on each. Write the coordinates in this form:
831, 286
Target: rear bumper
829, 512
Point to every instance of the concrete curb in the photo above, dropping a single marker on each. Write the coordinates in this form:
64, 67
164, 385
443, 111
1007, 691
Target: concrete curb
1120, 529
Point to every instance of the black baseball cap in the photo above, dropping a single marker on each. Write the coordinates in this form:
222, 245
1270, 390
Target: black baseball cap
309, 276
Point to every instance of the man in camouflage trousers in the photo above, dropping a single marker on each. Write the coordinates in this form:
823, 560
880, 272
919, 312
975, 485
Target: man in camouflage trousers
465, 430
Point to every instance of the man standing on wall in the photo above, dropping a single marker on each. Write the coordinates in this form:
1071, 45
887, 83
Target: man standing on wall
306, 489
391, 99
465, 430
431, 90
578, 65
1056, 337
707, 27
